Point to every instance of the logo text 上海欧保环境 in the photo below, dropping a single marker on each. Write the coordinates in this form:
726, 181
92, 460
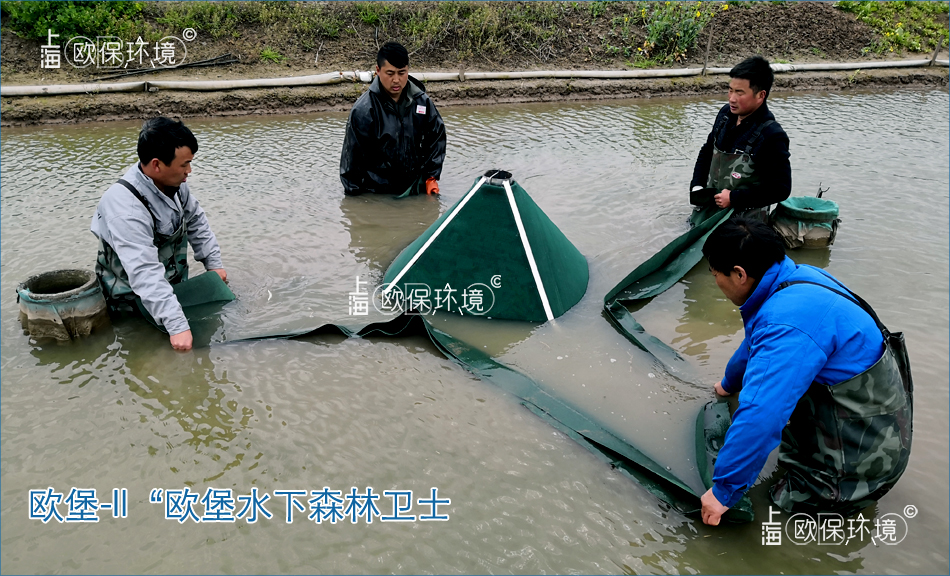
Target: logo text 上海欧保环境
113, 53
421, 299
829, 529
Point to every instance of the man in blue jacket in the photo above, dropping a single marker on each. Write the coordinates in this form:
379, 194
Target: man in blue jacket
816, 376
395, 137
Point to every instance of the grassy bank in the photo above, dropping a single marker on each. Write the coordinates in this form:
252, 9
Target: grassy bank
641, 34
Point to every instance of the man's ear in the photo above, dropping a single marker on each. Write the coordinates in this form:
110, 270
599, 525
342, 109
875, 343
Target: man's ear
741, 274
151, 165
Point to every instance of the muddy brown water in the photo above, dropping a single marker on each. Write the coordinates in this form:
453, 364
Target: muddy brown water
122, 410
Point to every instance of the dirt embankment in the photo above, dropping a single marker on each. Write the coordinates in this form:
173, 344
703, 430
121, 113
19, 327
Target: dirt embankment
794, 32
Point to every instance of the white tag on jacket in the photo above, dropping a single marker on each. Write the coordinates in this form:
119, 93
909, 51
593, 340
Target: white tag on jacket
420, 109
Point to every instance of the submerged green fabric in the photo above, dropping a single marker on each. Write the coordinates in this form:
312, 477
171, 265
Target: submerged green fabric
711, 426
488, 213
194, 293
414, 189
482, 243
567, 419
454, 258
653, 277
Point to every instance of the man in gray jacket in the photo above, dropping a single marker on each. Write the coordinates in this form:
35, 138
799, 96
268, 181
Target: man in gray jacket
144, 223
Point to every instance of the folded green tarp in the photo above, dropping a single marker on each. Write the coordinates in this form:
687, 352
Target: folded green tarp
194, 294
577, 425
649, 279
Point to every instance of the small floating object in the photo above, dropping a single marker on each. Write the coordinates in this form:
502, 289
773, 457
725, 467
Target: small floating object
62, 304
806, 222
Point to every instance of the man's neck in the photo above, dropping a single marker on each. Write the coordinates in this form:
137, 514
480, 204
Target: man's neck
161, 187
739, 119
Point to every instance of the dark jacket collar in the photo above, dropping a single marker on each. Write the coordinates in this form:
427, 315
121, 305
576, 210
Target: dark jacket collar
760, 115
413, 89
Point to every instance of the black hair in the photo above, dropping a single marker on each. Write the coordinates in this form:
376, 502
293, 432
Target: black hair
161, 137
757, 71
394, 53
751, 244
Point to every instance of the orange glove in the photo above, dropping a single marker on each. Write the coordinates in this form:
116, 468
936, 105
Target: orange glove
432, 186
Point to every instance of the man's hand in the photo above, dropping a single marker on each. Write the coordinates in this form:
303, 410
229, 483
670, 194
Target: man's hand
722, 199
182, 340
712, 509
220, 272
720, 391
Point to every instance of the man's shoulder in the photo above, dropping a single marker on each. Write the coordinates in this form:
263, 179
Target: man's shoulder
363, 107
772, 126
120, 208
797, 293
119, 196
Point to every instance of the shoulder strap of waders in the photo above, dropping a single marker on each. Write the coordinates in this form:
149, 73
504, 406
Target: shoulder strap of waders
756, 135
848, 294
893, 341
719, 126
145, 203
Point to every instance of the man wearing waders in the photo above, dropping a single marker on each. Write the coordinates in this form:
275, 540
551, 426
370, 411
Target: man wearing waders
744, 163
395, 137
820, 377
144, 223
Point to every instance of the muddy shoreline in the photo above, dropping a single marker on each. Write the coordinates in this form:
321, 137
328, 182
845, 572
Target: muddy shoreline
21, 111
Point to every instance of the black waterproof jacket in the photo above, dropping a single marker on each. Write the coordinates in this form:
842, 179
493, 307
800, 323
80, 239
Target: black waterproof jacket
769, 154
390, 145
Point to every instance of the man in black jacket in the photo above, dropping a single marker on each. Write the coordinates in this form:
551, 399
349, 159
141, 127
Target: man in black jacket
395, 138
744, 163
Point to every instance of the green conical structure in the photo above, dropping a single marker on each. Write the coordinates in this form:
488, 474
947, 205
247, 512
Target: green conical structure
495, 254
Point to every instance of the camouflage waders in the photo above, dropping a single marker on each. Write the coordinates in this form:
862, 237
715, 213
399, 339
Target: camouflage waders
172, 253
731, 172
846, 445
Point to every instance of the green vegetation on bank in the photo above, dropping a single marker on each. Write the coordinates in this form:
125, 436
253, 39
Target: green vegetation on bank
641, 33
910, 25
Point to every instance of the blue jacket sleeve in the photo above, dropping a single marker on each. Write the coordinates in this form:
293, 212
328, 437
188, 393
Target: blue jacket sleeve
782, 364
732, 381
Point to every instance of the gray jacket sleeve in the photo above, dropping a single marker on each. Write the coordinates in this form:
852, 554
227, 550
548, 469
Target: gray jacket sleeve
132, 238
200, 236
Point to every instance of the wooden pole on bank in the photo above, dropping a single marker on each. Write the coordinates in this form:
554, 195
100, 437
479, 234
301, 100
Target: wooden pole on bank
708, 46
936, 49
